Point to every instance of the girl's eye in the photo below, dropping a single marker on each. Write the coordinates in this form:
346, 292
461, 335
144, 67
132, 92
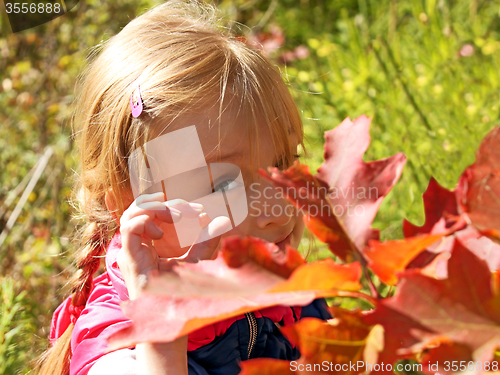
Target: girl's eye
227, 185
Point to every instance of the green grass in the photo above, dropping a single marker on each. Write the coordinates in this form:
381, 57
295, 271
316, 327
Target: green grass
400, 63
16, 328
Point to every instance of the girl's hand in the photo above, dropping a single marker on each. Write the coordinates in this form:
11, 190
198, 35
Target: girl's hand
139, 227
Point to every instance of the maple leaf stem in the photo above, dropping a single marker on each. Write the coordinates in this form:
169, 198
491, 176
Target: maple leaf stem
373, 290
363, 296
389, 292
364, 266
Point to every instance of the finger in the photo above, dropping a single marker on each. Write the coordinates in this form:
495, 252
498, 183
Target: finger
204, 220
205, 249
137, 237
156, 210
167, 211
159, 197
187, 209
138, 227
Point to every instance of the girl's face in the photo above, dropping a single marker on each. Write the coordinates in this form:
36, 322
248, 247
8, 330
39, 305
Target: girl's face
270, 216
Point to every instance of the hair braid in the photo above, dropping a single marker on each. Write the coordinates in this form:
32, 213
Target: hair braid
93, 238
88, 261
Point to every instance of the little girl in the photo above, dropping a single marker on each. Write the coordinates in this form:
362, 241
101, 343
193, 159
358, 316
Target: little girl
167, 70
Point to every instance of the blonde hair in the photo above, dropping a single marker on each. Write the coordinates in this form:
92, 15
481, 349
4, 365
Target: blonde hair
182, 60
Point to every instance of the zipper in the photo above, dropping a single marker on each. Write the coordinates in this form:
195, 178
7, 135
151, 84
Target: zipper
252, 328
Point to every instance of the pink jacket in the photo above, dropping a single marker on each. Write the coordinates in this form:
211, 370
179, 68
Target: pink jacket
103, 316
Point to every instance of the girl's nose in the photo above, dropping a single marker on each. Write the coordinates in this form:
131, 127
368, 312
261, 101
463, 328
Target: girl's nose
270, 206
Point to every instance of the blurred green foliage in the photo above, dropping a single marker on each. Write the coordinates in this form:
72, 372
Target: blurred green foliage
16, 327
427, 72
38, 71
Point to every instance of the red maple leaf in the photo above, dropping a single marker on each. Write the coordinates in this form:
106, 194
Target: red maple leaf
387, 259
194, 295
438, 203
442, 216
479, 187
461, 309
357, 188
309, 195
342, 200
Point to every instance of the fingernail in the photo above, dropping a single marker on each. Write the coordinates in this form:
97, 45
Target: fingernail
204, 220
219, 226
176, 215
160, 231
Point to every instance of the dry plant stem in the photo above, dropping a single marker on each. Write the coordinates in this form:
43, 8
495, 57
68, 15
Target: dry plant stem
14, 193
373, 290
27, 191
410, 97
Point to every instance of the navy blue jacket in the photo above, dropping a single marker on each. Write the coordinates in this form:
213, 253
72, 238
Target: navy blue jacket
223, 355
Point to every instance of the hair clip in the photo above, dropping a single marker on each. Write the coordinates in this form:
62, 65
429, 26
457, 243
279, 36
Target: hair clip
136, 108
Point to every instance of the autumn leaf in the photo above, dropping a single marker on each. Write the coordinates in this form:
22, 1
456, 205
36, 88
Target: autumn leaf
485, 249
386, 259
479, 187
461, 309
357, 188
194, 295
481, 246
442, 216
238, 251
438, 203
440, 359
342, 200
309, 195
326, 347
398, 330
267, 366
